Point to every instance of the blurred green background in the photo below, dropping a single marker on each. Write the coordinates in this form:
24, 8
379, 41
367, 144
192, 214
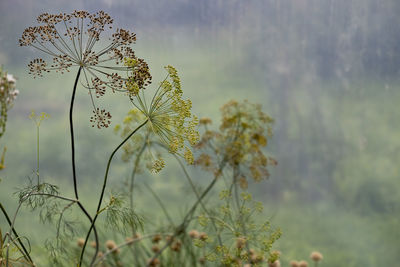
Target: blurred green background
326, 71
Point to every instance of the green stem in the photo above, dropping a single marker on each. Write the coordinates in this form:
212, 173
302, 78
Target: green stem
181, 228
37, 151
25, 251
102, 195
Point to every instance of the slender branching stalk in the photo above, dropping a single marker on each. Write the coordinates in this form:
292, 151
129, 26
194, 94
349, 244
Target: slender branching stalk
24, 251
71, 127
92, 226
182, 227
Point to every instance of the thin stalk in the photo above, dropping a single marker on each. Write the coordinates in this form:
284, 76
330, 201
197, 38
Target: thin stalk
132, 182
37, 154
164, 209
92, 226
240, 208
71, 126
25, 251
198, 197
181, 228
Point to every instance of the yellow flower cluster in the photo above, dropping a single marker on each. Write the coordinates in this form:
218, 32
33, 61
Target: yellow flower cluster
242, 135
170, 119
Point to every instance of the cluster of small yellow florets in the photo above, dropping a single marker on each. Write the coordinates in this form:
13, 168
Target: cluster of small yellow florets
242, 135
170, 120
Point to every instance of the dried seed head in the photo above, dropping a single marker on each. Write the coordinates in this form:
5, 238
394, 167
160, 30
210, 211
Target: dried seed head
110, 244
205, 121
203, 236
303, 264
72, 40
316, 256
80, 242
153, 262
276, 263
176, 246
194, 233
202, 260
155, 248
101, 118
294, 264
240, 242
157, 238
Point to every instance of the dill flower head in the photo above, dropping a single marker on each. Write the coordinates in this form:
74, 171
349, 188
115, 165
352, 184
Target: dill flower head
80, 242
170, 122
157, 238
276, 263
242, 136
194, 233
75, 40
110, 244
155, 248
153, 262
303, 264
316, 256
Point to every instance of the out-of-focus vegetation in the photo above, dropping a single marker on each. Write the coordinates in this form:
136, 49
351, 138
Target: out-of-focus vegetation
327, 71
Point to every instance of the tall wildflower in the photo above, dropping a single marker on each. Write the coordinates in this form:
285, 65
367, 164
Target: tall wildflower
242, 135
170, 122
74, 40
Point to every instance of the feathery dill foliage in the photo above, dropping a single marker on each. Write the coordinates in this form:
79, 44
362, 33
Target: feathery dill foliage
74, 40
243, 133
170, 121
119, 217
8, 94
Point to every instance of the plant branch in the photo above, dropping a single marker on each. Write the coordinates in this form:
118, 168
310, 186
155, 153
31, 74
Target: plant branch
92, 226
25, 251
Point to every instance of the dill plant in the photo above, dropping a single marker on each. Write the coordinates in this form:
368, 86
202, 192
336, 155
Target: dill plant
224, 234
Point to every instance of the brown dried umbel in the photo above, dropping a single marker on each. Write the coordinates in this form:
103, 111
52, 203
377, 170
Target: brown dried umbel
75, 40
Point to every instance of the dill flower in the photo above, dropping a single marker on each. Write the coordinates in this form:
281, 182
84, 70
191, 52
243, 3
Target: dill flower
303, 264
75, 40
176, 246
169, 114
205, 121
316, 256
93, 244
203, 236
170, 123
153, 262
155, 248
240, 242
193, 233
80, 242
243, 134
157, 238
276, 263
110, 244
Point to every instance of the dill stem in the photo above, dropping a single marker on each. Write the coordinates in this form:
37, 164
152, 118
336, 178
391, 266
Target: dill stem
25, 251
37, 154
179, 230
92, 226
71, 126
